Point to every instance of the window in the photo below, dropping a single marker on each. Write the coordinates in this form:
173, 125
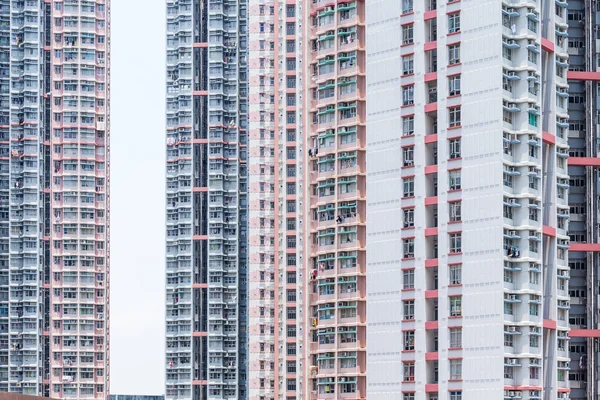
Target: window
532, 56
455, 306
409, 371
407, 6
409, 248
409, 217
454, 23
454, 180
408, 156
408, 95
454, 148
408, 279
455, 338
409, 340
455, 243
455, 274
454, 117
407, 34
533, 246
408, 65
455, 370
454, 85
534, 309
408, 125
453, 54
409, 310
408, 186
534, 341
455, 395
534, 277
533, 119
455, 211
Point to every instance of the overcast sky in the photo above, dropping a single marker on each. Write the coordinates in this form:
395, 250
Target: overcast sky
137, 197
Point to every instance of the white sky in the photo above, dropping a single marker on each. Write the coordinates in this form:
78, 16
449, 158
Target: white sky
137, 197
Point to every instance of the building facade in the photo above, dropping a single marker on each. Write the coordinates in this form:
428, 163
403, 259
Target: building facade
467, 302
54, 198
582, 18
276, 195
335, 200
207, 203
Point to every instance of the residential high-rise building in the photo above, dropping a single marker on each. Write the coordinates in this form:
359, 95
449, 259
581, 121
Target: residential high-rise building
54, 198
277, 143
583, 197
207, 204
467, 292
335, 200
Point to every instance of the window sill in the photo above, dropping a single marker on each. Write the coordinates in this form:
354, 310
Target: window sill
455, 380
408, 228
408, 166
454, 159
408, 290
407, 105
408, 197
408, 320
455, 317
455, 285
455, 348
454, 190
407, 75
410, 135
454, 222
458, 253
407, 44
453, 33
454, 127
454, 96
408, 351
408, 13
454, 65
407, 259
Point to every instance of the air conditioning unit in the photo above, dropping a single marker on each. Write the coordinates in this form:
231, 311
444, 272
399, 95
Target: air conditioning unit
512, 328
512, 233
513, 361
100, 315
512, 201
511, 394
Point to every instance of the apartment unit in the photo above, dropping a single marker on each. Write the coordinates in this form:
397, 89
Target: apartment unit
583, 20
467, 152
207, 203
335, 202
54, 198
